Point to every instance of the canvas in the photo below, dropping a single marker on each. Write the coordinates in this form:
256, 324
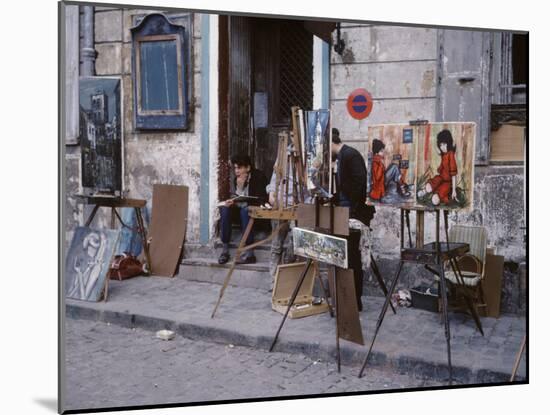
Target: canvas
101, 134
445, 166
391, 164
88, 261
320, 247
317, 147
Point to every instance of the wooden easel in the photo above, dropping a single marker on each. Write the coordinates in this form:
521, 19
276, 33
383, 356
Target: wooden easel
334, 311
287, 161
114, 203
432, 254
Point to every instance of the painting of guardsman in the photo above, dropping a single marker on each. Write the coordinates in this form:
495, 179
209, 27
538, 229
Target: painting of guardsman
317, 147
445, 165
100, 134
320, 247
391, 164
88, 261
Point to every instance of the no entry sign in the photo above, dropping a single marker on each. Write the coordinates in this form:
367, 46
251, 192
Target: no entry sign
359, 104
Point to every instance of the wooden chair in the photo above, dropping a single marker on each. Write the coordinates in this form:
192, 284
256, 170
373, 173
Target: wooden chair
471, 265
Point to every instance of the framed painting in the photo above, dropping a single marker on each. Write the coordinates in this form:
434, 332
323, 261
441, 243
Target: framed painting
317, 148
320, 247
88, 262
391, 165
445, 165
100, 110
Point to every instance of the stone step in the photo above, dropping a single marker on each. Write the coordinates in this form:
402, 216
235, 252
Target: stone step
208, 270
194, 251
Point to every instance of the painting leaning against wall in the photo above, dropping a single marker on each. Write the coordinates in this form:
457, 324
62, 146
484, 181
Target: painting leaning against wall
445, 165
88, 262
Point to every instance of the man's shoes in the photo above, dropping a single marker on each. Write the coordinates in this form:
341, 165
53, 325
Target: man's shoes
246, 259
223, 258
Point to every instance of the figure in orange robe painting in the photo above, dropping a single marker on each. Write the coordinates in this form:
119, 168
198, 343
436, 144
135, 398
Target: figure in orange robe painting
443, 186
382, 178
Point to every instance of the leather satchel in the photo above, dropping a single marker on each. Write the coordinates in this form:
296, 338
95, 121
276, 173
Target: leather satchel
125, 266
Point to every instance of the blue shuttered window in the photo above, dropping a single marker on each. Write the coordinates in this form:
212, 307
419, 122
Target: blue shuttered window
159, 70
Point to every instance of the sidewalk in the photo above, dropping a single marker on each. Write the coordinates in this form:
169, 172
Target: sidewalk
412, 340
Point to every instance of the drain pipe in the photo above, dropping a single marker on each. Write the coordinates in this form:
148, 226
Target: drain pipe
87, 52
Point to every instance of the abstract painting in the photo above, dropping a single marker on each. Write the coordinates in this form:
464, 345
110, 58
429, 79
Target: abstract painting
88, 261
317, 148
320, 247
391, 164
101, 134
445, 165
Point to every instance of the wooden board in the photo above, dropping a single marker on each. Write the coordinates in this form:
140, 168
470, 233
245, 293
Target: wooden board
168, 227
287, 277
347, 315
507, 143
492, 284
306, 218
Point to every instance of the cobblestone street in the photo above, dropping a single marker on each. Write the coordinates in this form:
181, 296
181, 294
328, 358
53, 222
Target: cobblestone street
108, 366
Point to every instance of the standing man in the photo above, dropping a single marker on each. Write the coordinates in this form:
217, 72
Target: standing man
351, 191
248, 182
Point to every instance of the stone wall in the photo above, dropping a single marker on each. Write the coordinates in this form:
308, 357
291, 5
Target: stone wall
398, 66
149, 157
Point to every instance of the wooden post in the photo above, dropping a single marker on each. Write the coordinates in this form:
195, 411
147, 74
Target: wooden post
419, 229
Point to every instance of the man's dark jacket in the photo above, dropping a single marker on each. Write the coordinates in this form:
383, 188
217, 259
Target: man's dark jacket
256, 187
352, 183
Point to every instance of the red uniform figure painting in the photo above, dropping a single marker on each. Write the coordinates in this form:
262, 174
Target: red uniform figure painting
443, 186
445, 165
391, 169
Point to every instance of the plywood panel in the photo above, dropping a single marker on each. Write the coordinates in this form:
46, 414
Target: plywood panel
507, 143
168, 227
349, 325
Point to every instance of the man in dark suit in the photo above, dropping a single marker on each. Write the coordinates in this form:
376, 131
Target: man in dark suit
249, 182
351, 191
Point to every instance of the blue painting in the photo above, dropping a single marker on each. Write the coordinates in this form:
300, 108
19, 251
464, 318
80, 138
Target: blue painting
88, 261
317, 146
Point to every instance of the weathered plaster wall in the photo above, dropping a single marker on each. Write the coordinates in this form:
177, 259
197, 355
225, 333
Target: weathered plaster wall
149, 157
398, 66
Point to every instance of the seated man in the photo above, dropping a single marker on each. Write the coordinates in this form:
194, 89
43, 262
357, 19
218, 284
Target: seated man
250, 182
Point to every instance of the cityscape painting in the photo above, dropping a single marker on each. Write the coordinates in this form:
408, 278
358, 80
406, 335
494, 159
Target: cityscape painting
320, 247
317, 146
100, 134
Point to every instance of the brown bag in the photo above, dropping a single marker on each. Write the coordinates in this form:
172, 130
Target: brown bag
125, 266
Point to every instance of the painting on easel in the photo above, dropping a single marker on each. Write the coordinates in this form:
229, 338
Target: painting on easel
445, 165
391, 164
88, 262
317, 148
101, 134
320, 247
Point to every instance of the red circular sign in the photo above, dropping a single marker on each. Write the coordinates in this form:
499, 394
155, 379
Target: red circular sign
359, 104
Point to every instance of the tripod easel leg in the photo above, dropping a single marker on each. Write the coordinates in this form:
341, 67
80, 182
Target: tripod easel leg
381, 316
443, 296
291, 301
325, 291
228, 276
376, 272
336, 311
